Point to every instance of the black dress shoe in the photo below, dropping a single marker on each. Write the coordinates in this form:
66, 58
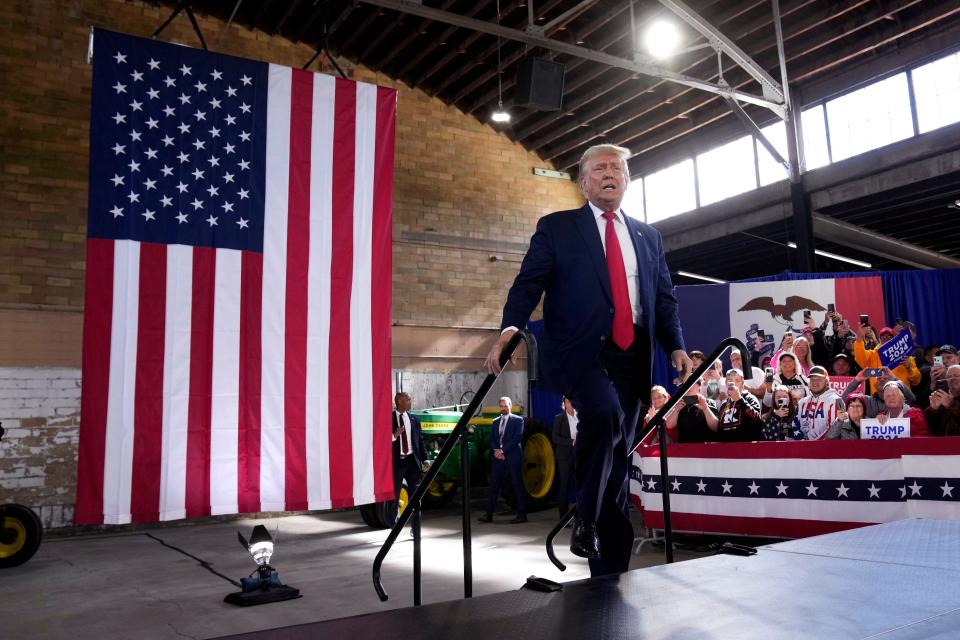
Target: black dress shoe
485, 518
521, 518
584, 541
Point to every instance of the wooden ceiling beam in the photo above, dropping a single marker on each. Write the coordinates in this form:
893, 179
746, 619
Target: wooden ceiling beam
445, 37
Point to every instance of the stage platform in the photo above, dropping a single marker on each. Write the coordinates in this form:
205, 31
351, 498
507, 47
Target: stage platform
894, 581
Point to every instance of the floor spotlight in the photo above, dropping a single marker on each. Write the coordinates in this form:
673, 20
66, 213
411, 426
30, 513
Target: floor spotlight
263, 585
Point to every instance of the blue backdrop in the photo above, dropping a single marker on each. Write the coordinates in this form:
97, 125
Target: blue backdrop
928, 298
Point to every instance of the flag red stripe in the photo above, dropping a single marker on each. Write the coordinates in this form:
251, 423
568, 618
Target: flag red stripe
381, 274
341, 281
148, 388
201, 383
251, 349
857, 296
298, 256
97, 321
737, 525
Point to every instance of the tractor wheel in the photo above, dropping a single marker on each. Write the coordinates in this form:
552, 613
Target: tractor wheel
382, 515
440, 494
538, 470
20, 535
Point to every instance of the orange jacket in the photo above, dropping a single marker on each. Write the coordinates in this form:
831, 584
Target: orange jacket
908, 375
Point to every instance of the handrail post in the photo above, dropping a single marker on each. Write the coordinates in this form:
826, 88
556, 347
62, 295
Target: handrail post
431, 475
417, 581
467, 531
665, 492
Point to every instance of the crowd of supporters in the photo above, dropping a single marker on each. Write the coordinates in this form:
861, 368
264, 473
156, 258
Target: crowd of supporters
788, 396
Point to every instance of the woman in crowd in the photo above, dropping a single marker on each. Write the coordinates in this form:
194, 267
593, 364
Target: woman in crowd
801, 349
658, 398
847, 424
895, 406
778, 424
788, 375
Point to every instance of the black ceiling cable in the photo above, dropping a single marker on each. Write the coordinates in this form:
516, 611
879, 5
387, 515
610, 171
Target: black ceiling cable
322, 46
183, 6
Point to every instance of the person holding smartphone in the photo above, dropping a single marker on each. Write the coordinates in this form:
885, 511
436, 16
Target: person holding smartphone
847, 424
737, 419
945, 357
874, 402
943, 415
787, 374
778, 424
688, 424
867, 357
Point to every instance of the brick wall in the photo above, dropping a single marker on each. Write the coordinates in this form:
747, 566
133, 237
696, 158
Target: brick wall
463, 192
455, 177
40, 409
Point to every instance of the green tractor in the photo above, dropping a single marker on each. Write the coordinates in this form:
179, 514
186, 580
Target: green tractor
539, 463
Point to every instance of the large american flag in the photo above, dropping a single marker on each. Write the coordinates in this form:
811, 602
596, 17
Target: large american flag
236, 344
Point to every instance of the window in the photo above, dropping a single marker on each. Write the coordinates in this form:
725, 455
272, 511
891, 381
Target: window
632, 203
815, 147
936, 87
726, 171
670, 191
871, 117
770, 170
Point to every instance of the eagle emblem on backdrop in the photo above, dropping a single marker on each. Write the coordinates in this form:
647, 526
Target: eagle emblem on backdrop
782, 313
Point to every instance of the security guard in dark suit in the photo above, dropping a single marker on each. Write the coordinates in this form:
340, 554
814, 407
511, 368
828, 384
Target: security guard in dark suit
409, 452
563, 436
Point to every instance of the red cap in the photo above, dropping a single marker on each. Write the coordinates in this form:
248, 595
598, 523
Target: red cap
857, 397
887, 331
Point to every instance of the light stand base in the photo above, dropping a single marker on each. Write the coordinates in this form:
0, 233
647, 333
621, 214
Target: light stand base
263, 596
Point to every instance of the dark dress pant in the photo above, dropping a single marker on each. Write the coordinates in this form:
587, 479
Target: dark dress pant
608, 398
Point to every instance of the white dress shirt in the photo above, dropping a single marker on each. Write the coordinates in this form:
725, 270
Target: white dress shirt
573, 421
629, 260
629, 256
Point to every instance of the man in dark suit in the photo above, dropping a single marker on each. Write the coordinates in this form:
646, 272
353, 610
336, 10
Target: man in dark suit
409, 452
506, 443
607, 297
563, 436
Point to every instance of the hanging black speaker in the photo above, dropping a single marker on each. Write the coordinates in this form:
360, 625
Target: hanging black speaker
539, 84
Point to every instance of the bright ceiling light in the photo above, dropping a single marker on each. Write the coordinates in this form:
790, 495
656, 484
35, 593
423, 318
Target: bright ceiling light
827, 254
661, 39
697, 276
500, 115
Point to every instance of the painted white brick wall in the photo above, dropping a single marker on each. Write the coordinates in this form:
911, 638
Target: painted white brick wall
40, 409
438, 389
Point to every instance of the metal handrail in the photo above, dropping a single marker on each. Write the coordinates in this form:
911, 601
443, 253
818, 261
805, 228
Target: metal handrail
414, 503
658, 422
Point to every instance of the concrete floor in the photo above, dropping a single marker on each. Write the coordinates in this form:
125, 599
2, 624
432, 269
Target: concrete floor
129, 585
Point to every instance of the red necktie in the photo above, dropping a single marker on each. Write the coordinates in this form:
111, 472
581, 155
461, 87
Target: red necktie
622, 313
404, 443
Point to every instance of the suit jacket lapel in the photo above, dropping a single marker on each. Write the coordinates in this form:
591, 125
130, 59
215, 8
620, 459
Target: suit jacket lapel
639, 247
587, 225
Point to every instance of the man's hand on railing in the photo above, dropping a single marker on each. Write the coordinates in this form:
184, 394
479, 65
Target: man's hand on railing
492, 363
682, 363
